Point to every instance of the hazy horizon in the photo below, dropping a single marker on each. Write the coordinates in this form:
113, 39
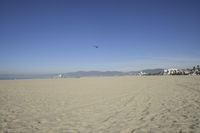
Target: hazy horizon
59, 36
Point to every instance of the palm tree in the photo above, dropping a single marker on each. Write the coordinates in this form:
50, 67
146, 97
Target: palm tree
198, 68
194, 68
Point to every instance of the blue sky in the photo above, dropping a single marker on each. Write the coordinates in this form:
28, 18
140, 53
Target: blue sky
58, 36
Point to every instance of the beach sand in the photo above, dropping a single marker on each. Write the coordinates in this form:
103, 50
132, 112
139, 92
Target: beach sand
129, 104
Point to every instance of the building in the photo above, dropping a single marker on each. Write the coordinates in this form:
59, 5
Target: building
173, 71
142, 73
59, 76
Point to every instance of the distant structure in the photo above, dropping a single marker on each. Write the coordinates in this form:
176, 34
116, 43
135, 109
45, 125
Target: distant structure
174, 71
59, 76
187, 72
196, 70
142, 73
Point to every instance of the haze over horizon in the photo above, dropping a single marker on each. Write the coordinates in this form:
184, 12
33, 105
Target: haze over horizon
58, 36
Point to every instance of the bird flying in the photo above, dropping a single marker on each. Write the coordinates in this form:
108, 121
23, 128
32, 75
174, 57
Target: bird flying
95, 46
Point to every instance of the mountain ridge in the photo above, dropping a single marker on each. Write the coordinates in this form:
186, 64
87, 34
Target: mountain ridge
92, 73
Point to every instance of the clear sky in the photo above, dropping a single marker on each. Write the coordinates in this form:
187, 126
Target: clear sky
43, 36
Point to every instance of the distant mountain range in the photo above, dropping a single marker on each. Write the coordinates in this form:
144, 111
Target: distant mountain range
110, 73
78, 74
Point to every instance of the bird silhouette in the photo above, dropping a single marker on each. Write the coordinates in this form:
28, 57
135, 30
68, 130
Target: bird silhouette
95, 46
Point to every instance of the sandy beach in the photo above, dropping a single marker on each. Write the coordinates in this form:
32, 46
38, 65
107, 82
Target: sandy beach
129, 104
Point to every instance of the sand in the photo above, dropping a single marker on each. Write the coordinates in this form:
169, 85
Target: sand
149, 104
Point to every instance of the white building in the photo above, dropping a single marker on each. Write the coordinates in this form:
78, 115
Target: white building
172, 71
59, 76
142, 73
